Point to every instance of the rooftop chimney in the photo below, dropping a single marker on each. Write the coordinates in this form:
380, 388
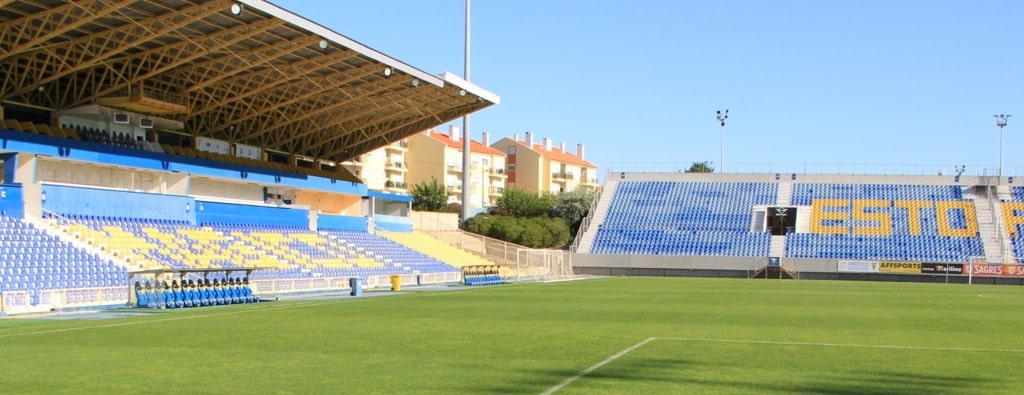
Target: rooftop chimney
547, 144
428, 131
453, 132
515, 137
485, 139
562, 147
529, 140
579, 151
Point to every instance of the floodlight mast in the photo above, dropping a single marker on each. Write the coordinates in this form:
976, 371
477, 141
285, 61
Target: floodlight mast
466, 146
721, 117
1001, 123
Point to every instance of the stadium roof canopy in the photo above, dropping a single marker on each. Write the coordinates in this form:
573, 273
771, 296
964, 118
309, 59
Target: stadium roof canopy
244, 71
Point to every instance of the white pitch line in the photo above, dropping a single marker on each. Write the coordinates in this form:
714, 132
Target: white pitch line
587, 371
248, 310
596, 366
846, 345
117, 324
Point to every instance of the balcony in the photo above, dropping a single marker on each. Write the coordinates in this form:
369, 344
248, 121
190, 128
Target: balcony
455, 168
496, 191
396, 166
561, 176
398, 146
454, 188
589, 182
497, 172
397, 186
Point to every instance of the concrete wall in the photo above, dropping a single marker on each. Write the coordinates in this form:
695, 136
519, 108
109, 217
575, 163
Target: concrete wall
743, 267
70, 200
10, 160
227, 213
342, 222
392, 223
425, 220
673, 262
214, 189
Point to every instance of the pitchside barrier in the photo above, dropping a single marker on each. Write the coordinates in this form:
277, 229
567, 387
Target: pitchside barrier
976, 270
22, 302
328, 284
40, 301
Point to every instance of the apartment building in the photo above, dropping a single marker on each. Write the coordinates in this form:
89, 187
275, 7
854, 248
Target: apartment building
540, 166
383, 169
438, 155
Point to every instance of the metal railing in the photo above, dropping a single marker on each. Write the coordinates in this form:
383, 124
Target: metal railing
818, 168
563, 175
585, 223
498, 251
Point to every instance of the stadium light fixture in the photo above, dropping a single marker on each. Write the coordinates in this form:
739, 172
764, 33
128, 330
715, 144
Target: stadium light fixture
721, 117
388, 71
1001, 123
323, 44
415, 82
237, 8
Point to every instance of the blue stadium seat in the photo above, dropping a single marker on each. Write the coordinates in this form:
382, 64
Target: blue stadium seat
684, 218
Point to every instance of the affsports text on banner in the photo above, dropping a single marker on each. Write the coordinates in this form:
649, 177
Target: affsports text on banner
900, 267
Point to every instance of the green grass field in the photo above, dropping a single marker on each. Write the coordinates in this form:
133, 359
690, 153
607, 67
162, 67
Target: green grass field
604, 336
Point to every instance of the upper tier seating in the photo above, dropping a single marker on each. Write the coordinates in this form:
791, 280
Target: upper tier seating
804, 194
684, 218
38, 128
339, 172
125, 140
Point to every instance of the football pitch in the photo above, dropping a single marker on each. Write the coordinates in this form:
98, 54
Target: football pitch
603, 336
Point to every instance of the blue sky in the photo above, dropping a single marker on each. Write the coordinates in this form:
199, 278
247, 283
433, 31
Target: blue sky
806, 82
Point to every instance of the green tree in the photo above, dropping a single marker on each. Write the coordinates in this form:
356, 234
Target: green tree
429, 196
573, 206
520, 203
533, 232
701, 167
480, 224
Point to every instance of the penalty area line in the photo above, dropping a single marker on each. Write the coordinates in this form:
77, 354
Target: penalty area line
596, 366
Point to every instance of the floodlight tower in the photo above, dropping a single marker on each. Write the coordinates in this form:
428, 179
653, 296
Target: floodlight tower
721, 117
1001, 123
466, 146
